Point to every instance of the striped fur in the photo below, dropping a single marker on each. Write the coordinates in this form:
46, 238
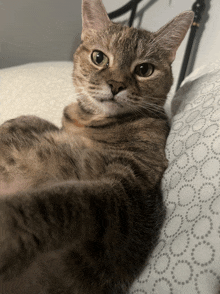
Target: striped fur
81, 207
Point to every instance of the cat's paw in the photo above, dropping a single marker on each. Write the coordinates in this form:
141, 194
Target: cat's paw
25, 125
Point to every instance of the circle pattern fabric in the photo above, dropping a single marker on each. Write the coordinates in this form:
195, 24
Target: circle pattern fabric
187, 258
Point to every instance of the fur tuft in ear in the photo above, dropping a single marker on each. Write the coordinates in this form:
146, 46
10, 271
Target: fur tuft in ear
94, 16
172, 34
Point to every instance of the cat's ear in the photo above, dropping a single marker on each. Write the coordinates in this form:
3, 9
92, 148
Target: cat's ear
94, 16
172, 34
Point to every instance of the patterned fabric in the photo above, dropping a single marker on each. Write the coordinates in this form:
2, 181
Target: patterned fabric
187, 258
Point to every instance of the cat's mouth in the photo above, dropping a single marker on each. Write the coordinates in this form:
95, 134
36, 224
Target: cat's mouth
109, 99
103, 103
105, 99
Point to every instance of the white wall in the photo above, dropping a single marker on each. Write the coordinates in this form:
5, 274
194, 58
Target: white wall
209, 49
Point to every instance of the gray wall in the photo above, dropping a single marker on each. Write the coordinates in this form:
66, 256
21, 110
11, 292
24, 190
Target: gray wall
38, 30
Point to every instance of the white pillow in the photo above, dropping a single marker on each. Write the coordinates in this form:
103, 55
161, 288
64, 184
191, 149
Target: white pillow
187, 258
42, 89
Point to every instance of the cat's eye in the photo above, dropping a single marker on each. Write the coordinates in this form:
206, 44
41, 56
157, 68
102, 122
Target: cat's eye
99, 58
144, 70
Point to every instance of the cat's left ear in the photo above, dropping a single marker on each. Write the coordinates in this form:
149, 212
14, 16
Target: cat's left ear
94, 16
172, 34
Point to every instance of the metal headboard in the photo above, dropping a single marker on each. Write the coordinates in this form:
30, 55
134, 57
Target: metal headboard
198, 8
131, 5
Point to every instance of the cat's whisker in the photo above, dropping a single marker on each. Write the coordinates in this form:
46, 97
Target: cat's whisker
149, 107
156, 107
148, 102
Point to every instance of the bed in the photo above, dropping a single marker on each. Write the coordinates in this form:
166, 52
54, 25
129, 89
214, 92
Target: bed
187, 257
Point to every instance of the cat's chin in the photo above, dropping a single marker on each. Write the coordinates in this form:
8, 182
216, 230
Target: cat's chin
101, 106
111, 108
113, 105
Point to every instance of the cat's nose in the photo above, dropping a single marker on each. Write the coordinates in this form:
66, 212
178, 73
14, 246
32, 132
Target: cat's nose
116, 87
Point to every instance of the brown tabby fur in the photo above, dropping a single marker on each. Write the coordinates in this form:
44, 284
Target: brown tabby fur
81, 207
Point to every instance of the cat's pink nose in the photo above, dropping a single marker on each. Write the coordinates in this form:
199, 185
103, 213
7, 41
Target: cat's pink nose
116, 87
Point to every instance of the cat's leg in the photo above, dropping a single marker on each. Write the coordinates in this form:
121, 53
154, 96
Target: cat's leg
22, 133
25, 125
107, 229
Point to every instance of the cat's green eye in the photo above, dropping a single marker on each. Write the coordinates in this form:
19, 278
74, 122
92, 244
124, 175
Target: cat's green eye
99, 58
144, 70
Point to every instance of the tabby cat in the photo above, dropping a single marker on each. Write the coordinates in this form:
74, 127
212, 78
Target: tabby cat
80, 206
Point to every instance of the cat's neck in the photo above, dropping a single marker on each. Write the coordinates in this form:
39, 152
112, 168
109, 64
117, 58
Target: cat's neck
74, 116
119, 132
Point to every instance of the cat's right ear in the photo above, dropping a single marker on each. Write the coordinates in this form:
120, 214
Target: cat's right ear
94, 16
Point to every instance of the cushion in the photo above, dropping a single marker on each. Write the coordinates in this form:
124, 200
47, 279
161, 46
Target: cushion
186, 259
41, 89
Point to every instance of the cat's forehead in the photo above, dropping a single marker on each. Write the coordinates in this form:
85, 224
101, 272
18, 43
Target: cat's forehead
121, 39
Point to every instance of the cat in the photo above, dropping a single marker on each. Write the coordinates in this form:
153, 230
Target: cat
81, 207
